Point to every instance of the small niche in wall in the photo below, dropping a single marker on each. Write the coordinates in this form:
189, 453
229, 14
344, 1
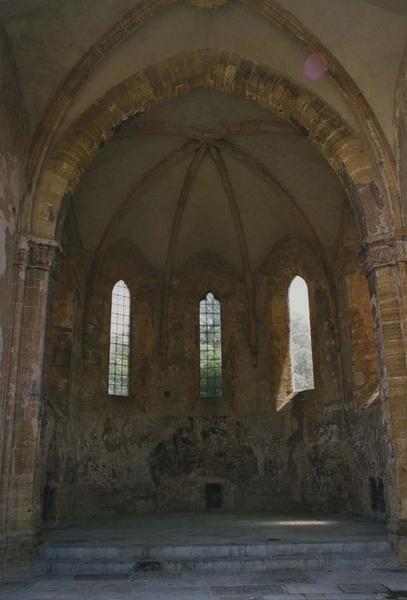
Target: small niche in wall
381, 504
213, 495
376, 488
48, 505
373, 493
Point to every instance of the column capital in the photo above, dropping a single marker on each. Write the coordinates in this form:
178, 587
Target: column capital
382, 253
42, 256
36, 252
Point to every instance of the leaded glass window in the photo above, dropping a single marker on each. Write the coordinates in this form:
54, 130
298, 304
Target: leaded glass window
302, 370
210, 334
119, 354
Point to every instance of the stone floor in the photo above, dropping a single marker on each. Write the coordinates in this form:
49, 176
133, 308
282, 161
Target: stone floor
215, 528
272, 585
379, 583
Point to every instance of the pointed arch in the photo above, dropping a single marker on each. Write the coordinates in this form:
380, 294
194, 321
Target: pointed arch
272, 12
210, 347
375, 211
119, 346
302, 367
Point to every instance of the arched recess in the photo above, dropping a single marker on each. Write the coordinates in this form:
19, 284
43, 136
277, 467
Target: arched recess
288, 259
333, 344
272, 12
120, 261
202, 272
219, 70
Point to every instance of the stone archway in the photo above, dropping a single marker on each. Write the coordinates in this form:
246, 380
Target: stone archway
376, 212
274, 14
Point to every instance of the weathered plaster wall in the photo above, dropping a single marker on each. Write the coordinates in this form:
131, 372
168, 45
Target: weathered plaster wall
156, 450
365, 428
12, 156
63, 357
12, 148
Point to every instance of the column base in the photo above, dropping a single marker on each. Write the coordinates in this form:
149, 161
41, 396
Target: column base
18, 554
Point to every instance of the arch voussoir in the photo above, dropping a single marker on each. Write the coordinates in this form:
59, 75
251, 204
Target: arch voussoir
229, 73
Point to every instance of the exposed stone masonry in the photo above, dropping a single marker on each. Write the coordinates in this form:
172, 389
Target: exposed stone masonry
71, 451
157, 450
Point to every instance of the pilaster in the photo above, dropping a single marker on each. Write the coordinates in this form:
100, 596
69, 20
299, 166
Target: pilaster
21, 475
385, 264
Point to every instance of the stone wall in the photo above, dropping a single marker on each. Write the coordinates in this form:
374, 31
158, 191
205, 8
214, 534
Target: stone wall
12, 149
12, 159
63, 359
362, 409
158, 449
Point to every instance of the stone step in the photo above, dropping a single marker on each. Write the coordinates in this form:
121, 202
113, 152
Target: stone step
219, 564
131, 552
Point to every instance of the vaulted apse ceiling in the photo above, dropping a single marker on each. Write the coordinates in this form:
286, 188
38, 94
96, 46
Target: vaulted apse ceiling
221, 160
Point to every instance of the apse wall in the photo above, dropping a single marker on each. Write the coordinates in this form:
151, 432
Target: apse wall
160, 449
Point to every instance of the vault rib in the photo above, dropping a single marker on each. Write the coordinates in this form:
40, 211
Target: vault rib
172, 248
241, 238
159, 168
164, 164
260, 169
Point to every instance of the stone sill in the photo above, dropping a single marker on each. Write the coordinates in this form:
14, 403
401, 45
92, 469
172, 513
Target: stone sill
373, 398
294, 397
117, 398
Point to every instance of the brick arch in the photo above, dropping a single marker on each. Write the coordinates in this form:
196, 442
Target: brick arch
228, 73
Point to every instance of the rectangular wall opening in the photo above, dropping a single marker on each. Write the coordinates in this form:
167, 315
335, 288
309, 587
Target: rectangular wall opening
377, 499
373, 493
213, 492
48, 505
381, 504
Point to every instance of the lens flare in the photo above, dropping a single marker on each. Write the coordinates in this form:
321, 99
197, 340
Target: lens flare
315, 66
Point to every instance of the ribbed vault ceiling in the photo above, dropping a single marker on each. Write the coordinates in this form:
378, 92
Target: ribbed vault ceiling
208, 172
